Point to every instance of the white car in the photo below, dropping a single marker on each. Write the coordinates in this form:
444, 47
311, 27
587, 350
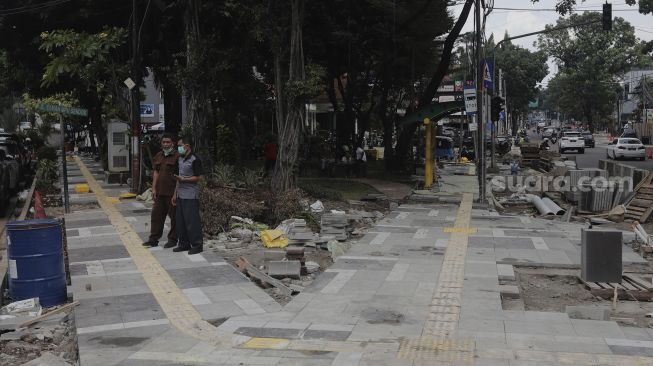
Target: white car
626, 147
572, 141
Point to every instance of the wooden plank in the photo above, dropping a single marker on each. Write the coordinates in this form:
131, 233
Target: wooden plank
635, 278
628, 286
28, 201
646, 214
592, 285
245, 266
645, 191
646, 181
55, 311
645, 196
640, 203
636, 209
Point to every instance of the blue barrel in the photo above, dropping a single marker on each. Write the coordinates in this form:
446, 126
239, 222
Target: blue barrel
36, 268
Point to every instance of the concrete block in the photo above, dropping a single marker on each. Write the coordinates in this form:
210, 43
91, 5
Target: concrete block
284, 269
47, 359
274, 255
509, 291
506, 272
588, 312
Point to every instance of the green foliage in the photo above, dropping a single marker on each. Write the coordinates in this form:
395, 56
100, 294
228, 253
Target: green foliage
310, 87
223, 175
566, 6
80, 55
227, 151
523, 70
589, 60
47, 174
47, 153
319, 191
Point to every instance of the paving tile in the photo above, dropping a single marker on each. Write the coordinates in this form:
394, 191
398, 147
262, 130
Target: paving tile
594, 328
97, 253
206, 276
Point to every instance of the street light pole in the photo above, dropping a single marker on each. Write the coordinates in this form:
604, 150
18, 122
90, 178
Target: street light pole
135, 105
479, 109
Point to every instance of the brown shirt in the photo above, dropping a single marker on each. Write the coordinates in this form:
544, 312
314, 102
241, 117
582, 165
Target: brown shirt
166, 166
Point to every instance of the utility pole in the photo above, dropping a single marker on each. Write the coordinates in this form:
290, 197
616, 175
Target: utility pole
479, 110
135, 104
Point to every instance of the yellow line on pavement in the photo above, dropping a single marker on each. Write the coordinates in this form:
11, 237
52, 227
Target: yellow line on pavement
176, 306
447, 298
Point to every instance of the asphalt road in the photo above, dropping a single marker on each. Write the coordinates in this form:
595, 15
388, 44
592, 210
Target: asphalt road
591, 157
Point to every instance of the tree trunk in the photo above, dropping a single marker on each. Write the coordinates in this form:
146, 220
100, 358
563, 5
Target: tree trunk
172, 108
198, 102
284, 176
406, 136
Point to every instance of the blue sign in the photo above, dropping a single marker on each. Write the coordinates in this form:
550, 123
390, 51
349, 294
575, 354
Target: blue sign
147, 110
488, 68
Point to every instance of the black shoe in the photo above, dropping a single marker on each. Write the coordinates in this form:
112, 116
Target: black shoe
195, 250
151, 244
180, 249
170, 244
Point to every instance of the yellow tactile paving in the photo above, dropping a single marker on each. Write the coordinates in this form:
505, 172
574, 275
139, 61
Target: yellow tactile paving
176, 306
448, 291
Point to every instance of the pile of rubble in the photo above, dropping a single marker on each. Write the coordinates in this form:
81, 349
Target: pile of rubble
30, 335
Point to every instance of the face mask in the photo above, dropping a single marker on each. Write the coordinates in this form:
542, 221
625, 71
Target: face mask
167, 152
181, 150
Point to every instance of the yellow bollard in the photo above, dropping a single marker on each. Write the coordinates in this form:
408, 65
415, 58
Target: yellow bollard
428, 163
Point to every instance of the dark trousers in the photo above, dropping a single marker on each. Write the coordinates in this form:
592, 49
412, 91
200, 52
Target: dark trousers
189, 224
162, 208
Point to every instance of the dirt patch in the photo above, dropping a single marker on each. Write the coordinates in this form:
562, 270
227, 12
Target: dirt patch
58, 337
379, 316
553, 289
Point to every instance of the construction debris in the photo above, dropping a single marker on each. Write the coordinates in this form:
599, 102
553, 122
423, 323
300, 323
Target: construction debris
244, 266
640, 206
334, 225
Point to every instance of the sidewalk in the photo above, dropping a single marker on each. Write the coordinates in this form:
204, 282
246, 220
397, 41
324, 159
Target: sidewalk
421, 288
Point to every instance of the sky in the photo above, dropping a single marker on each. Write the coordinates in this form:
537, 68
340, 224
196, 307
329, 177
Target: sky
520, 22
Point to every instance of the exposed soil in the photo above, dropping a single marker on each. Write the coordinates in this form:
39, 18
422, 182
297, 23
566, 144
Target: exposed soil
58, 337
553, 289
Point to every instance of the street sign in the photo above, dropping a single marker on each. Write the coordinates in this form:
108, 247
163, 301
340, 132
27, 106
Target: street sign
473, 126
488, 67
470, 100
63, 109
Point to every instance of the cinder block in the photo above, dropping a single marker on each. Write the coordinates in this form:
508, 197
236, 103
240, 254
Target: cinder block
284, 269
506, 272
273, 255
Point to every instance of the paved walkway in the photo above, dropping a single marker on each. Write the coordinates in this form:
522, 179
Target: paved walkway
421, 288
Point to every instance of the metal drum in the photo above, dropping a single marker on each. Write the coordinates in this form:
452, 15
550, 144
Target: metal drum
36, 267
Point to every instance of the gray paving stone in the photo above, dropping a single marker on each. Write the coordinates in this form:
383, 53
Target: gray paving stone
632, 351
74, 224
593, 328
269, 332
206, 276
97, 253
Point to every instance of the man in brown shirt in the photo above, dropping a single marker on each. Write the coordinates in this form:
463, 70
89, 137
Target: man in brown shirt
163, 188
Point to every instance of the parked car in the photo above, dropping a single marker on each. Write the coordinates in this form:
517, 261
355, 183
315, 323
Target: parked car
626, 148
20, 153
4, 181
572, 141
589, 139
11, 166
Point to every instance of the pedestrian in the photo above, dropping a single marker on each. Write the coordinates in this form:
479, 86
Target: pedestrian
186, 199
164, 165
271, 149
361, 160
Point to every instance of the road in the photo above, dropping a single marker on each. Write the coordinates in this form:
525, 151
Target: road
591, 157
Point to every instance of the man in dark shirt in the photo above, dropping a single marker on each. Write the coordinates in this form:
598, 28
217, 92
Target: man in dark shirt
186, 199
164, 165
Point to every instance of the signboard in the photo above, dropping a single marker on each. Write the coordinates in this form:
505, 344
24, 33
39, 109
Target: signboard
649, 115
162, 114
445, 98
63, 109
445, 88
488, 66
458, 86
147, 110
470, 100
473, 126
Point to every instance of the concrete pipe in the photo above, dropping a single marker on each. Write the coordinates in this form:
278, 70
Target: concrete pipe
553, 206
541, 207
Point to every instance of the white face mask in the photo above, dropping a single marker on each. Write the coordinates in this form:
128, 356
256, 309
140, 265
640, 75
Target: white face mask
167, 152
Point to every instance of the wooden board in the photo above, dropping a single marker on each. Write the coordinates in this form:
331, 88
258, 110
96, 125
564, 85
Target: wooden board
627, 290
639, 281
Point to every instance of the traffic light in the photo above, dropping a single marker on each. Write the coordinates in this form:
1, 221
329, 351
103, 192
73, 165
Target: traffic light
496, 106
607, 16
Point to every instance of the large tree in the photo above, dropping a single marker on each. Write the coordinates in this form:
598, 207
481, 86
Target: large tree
522, 70
590, 59
566, 6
